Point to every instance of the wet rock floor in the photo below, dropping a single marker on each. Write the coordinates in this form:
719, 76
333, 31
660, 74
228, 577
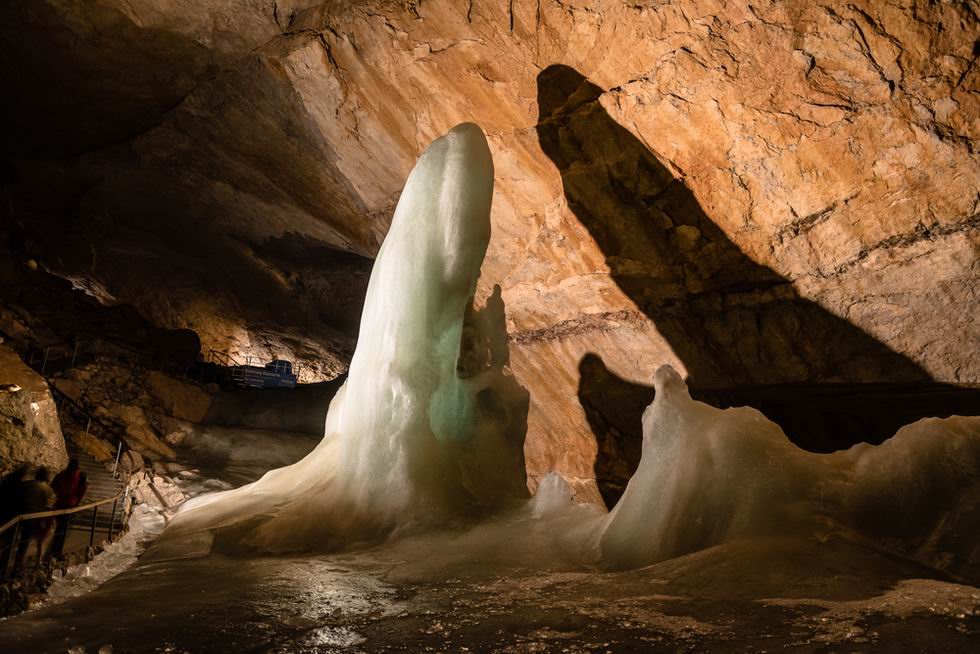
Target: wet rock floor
746, 596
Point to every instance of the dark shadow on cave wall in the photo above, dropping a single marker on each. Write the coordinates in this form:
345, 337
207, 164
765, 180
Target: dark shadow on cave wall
730, 320
735, 324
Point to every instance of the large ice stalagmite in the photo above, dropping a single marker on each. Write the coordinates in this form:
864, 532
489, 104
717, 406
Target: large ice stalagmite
429, 424
708, 476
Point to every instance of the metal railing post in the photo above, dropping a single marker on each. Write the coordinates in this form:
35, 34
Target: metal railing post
74, 355
68, 518
44, 364
6, 556
95, 518
11, 559
118, 453
112, 520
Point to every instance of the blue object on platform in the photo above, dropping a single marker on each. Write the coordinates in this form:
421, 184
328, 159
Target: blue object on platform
275, 374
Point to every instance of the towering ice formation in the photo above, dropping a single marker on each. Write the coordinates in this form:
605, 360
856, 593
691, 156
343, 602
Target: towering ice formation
708, 476
429, 424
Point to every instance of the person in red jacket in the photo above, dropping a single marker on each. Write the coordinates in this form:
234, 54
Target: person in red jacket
69, 486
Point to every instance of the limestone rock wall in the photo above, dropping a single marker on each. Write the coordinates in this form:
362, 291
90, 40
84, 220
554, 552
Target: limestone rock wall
753, 191
30, 432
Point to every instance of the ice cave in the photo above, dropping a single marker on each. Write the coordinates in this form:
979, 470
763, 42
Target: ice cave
489, 327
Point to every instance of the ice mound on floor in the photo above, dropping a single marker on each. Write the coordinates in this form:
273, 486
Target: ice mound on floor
708, 476
429, 424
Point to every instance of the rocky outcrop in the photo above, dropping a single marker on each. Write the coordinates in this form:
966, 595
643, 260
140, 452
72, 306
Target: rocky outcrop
145, 408
160, 492
139, 434
754, 192
30, 432
178, 399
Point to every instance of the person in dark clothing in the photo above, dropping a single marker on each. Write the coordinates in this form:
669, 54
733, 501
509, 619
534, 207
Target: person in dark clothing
38, 496
69, 487
12, 491
11, 503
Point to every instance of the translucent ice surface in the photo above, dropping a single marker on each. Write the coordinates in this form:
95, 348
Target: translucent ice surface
709, 476
429, 424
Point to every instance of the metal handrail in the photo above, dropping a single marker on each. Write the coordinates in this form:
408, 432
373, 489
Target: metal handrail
75, 343
75, 348
223, 358
56, 512
10, 555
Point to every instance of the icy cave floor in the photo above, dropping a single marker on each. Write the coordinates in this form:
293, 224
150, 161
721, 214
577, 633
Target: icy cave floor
492, 587
743, 596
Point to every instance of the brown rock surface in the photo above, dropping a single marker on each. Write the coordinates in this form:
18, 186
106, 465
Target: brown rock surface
131, 461
754, 191
142, 407
140, 435
158, 491
179, 399
30, 431
99, 448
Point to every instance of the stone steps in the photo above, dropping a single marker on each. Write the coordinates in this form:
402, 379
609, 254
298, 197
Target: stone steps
101, 483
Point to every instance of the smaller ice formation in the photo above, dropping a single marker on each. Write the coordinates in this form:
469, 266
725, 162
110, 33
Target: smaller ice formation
430, 424
708, 476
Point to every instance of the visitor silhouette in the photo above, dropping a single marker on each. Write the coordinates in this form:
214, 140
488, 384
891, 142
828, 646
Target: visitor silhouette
730, 320
37, 496
69, 487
